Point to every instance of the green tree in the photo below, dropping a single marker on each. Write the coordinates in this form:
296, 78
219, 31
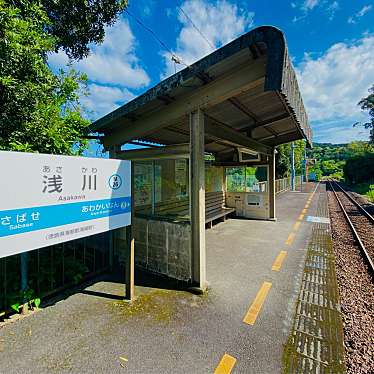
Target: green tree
74, 24
315, 168
39, 111
367, 104
283, 159
359, 169
357, 148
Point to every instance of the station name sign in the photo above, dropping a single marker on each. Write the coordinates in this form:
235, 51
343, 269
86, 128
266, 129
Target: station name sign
50, 199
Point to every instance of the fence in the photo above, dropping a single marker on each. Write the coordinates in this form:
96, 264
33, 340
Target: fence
284, 184
54, 268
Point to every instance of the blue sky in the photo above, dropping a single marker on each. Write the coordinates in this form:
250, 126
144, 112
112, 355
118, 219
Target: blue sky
331, 44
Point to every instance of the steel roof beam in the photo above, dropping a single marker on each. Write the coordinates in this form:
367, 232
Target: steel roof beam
228, 135
169, 151
238, 105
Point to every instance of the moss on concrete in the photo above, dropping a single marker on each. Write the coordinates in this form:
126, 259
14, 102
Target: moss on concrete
159, 306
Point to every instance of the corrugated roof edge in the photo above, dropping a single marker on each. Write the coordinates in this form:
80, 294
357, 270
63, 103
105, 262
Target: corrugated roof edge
280, 76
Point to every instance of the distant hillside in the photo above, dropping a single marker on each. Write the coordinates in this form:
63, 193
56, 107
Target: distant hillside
331, 145
331, 158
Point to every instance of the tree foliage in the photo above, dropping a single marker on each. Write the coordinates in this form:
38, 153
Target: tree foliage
283, 159
367, 104
74, 24
330, 159
39, 111
360, 169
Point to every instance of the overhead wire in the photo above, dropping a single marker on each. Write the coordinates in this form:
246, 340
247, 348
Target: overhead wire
196, 28
174, 57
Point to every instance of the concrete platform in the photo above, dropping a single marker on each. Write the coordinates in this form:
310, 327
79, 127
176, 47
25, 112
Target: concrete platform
171, 331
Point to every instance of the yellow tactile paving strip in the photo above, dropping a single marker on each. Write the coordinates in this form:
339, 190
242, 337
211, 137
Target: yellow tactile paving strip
228, 362
316, 342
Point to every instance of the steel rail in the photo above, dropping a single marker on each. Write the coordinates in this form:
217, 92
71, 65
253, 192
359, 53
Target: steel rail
355, 233
363, 210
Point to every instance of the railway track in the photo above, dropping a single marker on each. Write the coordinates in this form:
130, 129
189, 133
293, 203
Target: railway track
353, 243
360, 221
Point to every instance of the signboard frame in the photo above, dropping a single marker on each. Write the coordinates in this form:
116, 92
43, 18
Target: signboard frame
51, 199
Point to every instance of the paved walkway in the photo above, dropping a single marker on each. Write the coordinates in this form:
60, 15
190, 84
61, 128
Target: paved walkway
316, 342
169, 331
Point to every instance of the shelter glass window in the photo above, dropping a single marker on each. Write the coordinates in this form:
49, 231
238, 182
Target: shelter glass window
246, 179
172, 189
161, 189
143, 187
214, 179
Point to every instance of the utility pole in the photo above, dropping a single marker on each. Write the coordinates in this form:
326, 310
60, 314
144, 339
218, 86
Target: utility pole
303, 169
306, 166
292, 166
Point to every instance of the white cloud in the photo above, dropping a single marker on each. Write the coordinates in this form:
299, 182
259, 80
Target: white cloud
104, 99
333, 83
112, 62
147, 10
340, 132
355, 18
327, 6
364, 10
220, 22
112, 68
147, 7
310, 4
332, 9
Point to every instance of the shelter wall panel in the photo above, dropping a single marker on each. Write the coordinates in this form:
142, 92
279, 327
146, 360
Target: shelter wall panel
140, 232
157, 247
179, 251
163, 247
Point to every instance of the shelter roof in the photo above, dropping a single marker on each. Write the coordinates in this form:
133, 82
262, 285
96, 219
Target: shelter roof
246, 88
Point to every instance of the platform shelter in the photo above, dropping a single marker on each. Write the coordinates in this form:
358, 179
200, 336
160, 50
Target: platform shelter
208, 135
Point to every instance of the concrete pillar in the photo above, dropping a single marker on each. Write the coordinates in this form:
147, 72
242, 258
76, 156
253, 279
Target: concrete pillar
130, 243
271, 179
197, 199
130, 265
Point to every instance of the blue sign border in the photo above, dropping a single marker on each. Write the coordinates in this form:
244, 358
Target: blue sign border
18, 221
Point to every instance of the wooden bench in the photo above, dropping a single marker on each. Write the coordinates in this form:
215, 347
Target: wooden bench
214, 207
176, 207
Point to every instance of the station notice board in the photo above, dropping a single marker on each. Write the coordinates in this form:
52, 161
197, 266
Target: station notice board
50, 199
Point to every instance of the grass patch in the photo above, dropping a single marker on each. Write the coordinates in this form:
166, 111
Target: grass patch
158, 305
365, 189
